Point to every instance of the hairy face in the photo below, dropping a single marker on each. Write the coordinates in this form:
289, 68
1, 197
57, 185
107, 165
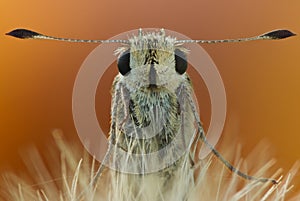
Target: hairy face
152, 60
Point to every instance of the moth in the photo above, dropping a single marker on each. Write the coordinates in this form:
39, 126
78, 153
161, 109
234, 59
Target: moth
154, 119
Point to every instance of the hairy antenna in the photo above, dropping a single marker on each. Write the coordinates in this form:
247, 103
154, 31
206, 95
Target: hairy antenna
28, 34
273, 35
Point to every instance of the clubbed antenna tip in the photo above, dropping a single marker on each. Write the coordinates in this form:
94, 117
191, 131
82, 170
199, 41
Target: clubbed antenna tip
23, 33
278, 34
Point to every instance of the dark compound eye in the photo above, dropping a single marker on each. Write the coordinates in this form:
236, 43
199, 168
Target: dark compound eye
124, 63
180, 62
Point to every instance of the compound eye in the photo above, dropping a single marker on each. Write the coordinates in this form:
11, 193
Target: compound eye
124, 63
180, 61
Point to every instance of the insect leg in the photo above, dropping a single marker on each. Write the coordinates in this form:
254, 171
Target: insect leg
118, 98
201, 135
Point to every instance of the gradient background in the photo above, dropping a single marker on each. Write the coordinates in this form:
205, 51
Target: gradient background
262, 79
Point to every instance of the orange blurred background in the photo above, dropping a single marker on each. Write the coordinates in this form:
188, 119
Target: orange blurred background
262, 79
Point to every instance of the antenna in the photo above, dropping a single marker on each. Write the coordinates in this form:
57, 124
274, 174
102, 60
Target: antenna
28, 34
273, 35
